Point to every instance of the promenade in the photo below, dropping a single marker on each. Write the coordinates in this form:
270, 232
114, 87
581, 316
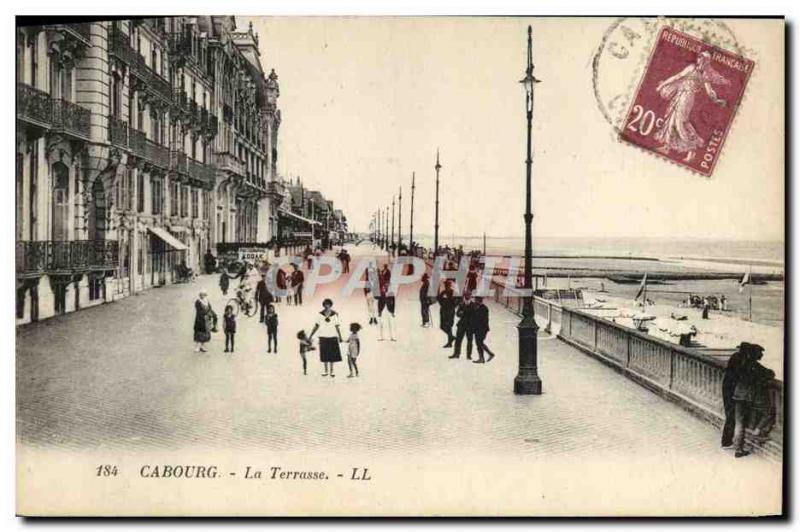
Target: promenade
124, 376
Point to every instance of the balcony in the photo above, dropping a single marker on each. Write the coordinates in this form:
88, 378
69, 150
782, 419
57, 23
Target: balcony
137, 141
179, 164
276, 190
202, 173
230, 163
121, 48
33, 105
49, 256
118, 132
156, 154
39, 108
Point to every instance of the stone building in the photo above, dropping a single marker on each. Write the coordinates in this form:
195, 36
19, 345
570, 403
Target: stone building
140, 144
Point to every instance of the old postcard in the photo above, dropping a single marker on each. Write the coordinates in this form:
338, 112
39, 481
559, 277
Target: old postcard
401, 266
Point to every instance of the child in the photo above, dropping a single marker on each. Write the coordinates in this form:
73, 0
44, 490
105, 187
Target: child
353, 348
272, 329
305, 345
229, 327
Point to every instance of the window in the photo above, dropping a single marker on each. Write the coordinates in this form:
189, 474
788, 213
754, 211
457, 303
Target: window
129, 190
184, 201
34, 59
139, 191
32, 208
115, 96
195, 213
173, 199
157, 195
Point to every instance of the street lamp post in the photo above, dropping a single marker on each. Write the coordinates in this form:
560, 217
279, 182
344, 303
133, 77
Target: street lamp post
400, 220
386, 234
411, 232
391, 246
436, 223
527, 381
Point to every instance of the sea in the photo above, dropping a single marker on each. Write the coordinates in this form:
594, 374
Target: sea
741, 250
762, 303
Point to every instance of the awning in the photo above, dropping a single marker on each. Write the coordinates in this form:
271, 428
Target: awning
298, 217
168, 238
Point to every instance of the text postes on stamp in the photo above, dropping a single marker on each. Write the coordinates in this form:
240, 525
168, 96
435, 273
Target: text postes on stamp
686, 100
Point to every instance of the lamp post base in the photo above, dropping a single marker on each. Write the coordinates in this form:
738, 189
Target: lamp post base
527, 381
527, 385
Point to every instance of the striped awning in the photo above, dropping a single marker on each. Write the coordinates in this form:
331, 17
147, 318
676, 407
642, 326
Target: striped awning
168, 238
298, 217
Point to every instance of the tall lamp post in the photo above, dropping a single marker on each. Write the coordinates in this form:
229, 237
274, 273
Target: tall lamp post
392, 233
400, 220
436, 223
411, 232
527, 381
386, 234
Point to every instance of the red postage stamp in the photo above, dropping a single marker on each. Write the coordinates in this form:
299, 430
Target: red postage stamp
686, 100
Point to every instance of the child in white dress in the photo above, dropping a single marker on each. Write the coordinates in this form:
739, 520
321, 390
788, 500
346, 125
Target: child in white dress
353, 349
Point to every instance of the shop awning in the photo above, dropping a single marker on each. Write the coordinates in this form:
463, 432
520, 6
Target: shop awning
168, 238
298, 217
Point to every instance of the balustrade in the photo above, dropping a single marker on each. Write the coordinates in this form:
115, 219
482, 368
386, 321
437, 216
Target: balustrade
50, 256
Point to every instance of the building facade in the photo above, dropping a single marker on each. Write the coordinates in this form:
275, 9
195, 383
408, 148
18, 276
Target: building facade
140, 145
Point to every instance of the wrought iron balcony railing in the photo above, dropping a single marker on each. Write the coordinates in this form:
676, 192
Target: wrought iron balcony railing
34, 105
276, 189
156, 154
71, 118
202, 173
38, 107
179, 163
230, 163
137, 141
118, 132
121, 48
50, 256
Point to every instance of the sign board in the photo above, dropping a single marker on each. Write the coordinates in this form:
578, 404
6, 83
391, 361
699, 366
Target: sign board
302, 234
251, 254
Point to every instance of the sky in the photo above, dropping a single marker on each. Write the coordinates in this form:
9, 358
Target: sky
367, 101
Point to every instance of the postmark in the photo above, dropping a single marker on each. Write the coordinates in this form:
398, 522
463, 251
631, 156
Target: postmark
686, 100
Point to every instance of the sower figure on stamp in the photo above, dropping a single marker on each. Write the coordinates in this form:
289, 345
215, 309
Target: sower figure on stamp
447, 311
677, 132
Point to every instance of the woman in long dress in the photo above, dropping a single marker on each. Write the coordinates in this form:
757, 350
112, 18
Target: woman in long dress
330, 335
204, 321
677, 132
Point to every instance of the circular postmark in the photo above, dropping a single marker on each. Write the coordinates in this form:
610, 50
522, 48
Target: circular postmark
620, 59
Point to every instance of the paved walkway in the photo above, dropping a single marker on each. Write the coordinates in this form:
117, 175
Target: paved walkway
124, 376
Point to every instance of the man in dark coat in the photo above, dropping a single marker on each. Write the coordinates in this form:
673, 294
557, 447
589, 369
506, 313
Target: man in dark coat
425, 300
728, 386
465, 326
447, 311
481, 326
264, 298
751, 377
297, 284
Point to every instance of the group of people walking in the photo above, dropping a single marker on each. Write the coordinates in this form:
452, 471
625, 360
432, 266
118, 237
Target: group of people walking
471, 319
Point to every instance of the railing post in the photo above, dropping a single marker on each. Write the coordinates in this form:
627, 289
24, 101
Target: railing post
628, 353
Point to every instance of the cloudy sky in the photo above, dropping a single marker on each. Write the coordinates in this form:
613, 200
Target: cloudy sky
367, 101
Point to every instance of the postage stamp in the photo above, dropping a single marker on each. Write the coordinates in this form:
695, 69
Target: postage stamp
686, 100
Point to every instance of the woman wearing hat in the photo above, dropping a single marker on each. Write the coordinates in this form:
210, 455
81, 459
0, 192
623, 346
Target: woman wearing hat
329, 337
204, 321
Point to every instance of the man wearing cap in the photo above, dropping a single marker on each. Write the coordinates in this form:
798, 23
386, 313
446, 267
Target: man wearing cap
751, 379
728, 387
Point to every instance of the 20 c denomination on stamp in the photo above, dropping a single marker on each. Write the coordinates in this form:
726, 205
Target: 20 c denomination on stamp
686, 100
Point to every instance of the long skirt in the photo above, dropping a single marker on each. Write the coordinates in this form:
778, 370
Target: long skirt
329, 349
